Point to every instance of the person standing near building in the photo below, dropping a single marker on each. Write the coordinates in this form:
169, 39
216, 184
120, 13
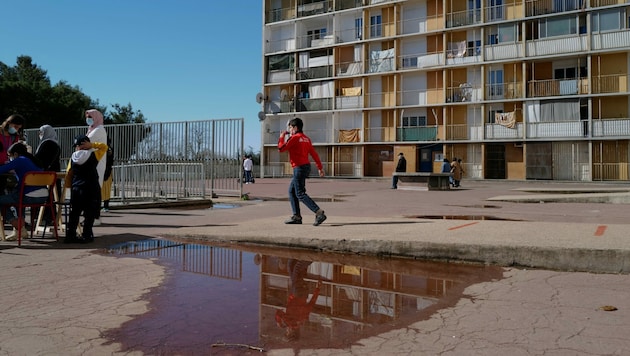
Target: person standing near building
106, 189
457, 171
85, 193
96, 133
300, 147
248, 166
401, 166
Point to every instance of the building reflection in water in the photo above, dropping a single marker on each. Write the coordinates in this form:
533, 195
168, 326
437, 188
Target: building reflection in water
331, 301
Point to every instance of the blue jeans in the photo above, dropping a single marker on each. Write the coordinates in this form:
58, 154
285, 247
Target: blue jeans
297, 190
12, 199
248, 176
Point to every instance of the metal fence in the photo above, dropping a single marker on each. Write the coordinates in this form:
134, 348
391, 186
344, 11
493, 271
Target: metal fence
168, 160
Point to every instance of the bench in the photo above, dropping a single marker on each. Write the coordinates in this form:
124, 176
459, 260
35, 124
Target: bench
434, 181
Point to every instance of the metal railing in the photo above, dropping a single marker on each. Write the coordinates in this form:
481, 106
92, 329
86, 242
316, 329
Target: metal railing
168, 160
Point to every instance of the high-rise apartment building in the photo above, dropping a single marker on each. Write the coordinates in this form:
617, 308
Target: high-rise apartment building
518, 89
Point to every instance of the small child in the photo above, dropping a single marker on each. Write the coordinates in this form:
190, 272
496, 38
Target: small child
82, 177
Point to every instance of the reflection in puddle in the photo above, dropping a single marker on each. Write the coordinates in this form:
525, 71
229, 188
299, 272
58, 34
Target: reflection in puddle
237, 299
463, 217
224, 206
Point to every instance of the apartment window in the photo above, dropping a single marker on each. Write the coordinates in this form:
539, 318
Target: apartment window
560, 26
474, 48
608, 20
492, 114
569, 73
567, 5
376, 26
495, 80
316, 34
358, 28
410, 62
504, 33
496, 10
281, 62
414, 121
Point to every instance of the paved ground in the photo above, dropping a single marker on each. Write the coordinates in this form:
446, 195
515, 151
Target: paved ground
60, 299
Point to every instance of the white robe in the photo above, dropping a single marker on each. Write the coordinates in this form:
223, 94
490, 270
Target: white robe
99, 135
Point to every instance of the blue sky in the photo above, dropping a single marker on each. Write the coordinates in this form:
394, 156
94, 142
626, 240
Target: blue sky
174, 60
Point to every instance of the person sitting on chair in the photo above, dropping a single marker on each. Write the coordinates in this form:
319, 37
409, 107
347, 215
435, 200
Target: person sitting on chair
20, 162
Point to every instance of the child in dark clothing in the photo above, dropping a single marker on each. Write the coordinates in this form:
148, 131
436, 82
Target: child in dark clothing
82, 177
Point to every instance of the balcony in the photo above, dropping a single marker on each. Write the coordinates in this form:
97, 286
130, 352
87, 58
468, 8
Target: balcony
503, 51
611, 127
347, 4
315, 8
501, 91
350, 99
464, 92
543, 7
382, 61
315, 73
556, 87
463, 18
496, 131
421, 60
413, 97
610, 40
421, 25
313, 104
460, 53
276, 15
349, 68
613, 83
559, 129
380, 134
426, 133
495, 13
557, 45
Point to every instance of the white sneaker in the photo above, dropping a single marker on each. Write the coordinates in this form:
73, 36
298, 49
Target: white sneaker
97, 222
14, 235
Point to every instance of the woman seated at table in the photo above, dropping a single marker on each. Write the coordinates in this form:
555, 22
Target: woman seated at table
20, 162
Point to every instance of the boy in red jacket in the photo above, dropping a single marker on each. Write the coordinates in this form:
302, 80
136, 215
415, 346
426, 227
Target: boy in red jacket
299, 147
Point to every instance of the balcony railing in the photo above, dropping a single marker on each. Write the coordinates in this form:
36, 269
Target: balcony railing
315, 8
380, 134
426, 133
556, 87
557, 129
463, 18
614, 83
421, 60
611, 127
349, 68
495, 13
347, 4
276, 15
464, 92
349, 102
457, 132
542, 7
315, 72
314, 104
500, 91
496, 131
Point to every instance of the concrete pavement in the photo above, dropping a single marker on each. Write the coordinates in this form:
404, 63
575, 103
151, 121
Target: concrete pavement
61, 299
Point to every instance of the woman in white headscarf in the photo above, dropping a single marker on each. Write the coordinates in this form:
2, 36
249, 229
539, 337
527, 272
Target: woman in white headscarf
96, 133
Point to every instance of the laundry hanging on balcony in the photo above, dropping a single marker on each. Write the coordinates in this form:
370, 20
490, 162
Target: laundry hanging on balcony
506, 119
352, 135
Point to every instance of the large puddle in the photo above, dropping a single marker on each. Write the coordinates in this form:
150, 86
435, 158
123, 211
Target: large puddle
227, 300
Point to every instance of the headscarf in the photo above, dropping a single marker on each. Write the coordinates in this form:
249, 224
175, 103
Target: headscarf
97, 117
48, 133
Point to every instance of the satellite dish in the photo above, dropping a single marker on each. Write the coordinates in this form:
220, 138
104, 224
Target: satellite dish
261, 116
284, 95
259, 98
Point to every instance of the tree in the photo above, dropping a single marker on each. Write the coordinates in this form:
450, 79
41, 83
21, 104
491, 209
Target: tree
125, 115
26, 89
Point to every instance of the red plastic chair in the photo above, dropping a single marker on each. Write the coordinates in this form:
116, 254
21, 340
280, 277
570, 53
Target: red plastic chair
37, 179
